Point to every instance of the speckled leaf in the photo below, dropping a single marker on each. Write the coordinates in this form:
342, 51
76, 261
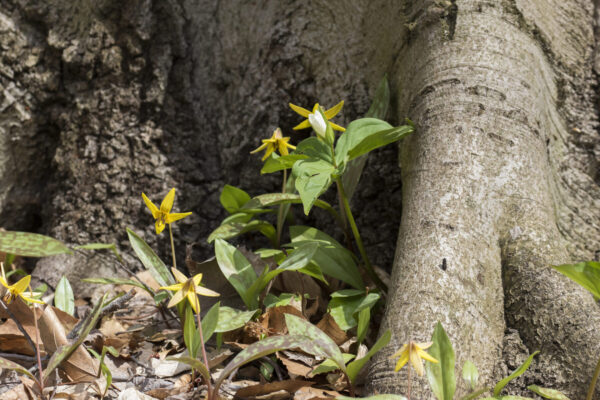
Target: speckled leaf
518, 372
31, 244
7, 364
194, 363
546, 393
150, 260
230, 319
299, 326
355, 366
265, 347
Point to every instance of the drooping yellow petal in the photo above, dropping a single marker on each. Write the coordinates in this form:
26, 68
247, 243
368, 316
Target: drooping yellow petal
336, 127
31, 299
426, 356
177, 298
159, 225
173, 288
151, 206
402, 361
179, 276
3, 282
399, 352
197, 279
21, 285
270, 150
262, 147
303, 125
176, 216
299, 110
167, 203
416, 362
192, 298
332, 112
204, 291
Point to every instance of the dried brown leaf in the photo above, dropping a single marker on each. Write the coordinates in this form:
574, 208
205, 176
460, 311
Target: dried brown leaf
290, 386
328, 325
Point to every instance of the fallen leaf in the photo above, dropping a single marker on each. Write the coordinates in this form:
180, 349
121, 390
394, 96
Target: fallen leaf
290, 386
273, 320
294, 368
328, 325
311, 393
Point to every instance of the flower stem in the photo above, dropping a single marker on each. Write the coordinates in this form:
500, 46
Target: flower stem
172, 247
592, 388
204, 357
358, 239
408, 388
280, 214
37, 348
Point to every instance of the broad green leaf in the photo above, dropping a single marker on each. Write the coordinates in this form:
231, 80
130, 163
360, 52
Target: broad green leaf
273, 199
265, 347
587, 274
355, 366
357, 131
379, 139
518, 372
194, 363
151, 261
313, 177
283, 299
329, 365
331, 257
546, 393
31, 244
344, 309
7, 364
114, 281
230, 319
63, 296
277, 163
210, 321
441, 374
64, 352
364, 317
232, 198
470, 374
191, 337
232, 229
299, 326
316, 149
376, 397
101, 246
237, 270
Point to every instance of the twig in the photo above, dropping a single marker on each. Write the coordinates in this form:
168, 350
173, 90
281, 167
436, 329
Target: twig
22, 357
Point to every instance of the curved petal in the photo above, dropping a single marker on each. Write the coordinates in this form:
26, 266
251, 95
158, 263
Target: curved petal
336, 127
179, 276
167, 203
262, 147
402, 361
176, 299
176, 216
31, 299
3, 282
173, 288
269, 151
332, 112
399, 352
203, 291
20, 286
151, 206
299, 110
193, 299
426, 356
197, 279
159, 225
283, 147
302, 125
416, 362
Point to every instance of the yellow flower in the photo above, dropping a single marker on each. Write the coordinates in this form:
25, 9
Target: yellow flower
17, 290
413, 352
315, 119
163, 215
188, 288
276, 142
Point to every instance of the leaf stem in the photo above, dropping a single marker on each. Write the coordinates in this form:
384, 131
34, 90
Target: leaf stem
204, 357
358, 239
172, 247
37, 348
592, 388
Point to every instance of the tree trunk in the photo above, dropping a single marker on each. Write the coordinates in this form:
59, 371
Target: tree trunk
102, 100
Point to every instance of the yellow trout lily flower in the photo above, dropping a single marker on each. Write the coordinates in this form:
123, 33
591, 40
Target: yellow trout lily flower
315, 119
163, 215
17, 290
188, 288
276, 142
413, 352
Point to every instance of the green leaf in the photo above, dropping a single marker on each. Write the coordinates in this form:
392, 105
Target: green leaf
210, 321
379, 139
101, 246
470, 374
7, 364
299, 326
18, 271
475, 394
31, 244
64, 352
587, 274
355, 366
518, 372
329, 365
316, 149
151, 261
546, 393
232, 229
277, 163
195, 364
376, 397
237, 270
344, 309
313, 177
364, 317
63, 296
191, 337
441, 374
283, 299
232, 198
509, 398
331, 257
273, 199
114, 281
230, 319
265, 347
357, 131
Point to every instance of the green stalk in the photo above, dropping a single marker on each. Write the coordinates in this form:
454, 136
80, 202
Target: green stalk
204, 357
358, 239
592, 388
172, 247
280, 216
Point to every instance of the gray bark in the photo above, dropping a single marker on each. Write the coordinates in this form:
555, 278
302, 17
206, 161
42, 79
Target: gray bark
102, 100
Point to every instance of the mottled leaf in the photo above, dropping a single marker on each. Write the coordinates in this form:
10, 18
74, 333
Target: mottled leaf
355, 366
230, 319
441, 374
64, 299
194, 363
31, 244
518, 372
151, 261
329, 365
546, 393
